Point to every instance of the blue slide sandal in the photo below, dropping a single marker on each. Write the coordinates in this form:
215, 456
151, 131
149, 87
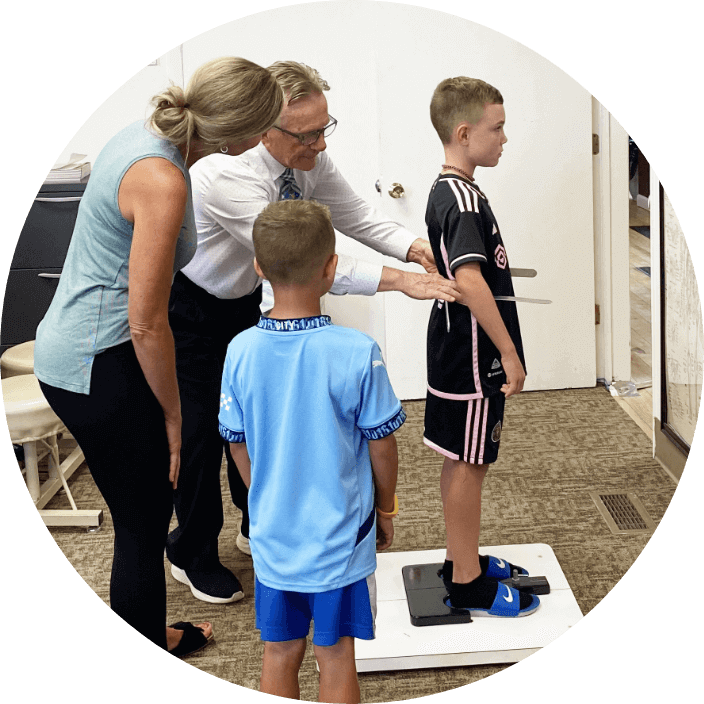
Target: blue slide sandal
500, 569
506, 604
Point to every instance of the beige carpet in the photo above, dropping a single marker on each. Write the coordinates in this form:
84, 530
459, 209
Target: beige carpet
556, 448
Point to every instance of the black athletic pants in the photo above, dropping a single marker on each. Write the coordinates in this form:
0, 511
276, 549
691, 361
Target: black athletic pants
203, 326
120, 428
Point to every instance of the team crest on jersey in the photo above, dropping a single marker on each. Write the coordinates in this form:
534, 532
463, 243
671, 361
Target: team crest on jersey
496, 432
500, 257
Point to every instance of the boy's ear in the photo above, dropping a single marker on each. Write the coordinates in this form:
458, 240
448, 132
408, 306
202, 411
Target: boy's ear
258, 269
330, 267
462, 131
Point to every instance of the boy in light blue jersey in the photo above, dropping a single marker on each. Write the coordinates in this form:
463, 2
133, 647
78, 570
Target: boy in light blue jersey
309, 412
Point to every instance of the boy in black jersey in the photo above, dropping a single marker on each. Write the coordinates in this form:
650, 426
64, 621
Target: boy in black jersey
475, 354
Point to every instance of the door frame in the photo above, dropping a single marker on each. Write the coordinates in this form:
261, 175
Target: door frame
611, 248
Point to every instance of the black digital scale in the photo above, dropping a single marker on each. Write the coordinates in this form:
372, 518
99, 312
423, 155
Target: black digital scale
426, 592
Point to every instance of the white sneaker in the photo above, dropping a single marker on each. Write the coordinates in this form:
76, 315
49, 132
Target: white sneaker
243, 544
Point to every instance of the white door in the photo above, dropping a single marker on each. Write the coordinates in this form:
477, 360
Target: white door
541, 191
383, 61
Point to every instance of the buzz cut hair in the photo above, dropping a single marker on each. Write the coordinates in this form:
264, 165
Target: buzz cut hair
460, 99
292, 240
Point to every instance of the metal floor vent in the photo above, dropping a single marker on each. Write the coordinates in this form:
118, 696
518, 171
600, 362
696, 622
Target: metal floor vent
623, 513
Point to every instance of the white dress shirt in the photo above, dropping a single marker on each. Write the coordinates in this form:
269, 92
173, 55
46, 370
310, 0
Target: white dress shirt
229, 192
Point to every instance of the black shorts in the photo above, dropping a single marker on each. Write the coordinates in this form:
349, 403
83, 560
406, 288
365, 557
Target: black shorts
465, 430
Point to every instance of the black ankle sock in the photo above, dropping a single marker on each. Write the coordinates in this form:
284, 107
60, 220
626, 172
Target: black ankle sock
478, 594
445, 573
446, 570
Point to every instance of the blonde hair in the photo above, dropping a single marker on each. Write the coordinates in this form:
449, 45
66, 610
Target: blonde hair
292, 240
298, 80
227, 100
460, 99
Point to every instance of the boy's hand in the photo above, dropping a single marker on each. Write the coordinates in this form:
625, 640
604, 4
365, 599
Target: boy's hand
515, 375
384, 532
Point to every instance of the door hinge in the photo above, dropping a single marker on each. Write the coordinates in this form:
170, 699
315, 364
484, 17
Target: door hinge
597, 314
595, 144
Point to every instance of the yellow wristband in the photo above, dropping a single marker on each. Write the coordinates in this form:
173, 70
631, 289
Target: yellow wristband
384, 514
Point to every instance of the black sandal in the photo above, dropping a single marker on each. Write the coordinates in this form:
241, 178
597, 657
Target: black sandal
193, 639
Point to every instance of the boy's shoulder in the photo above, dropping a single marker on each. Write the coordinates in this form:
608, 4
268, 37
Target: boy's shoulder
354, 339
242, 341
348, 347
246, 333
457, 191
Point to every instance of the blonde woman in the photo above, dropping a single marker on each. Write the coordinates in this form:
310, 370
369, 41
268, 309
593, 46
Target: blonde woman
104, 352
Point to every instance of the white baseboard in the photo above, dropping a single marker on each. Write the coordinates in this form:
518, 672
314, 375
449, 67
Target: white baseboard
643, 202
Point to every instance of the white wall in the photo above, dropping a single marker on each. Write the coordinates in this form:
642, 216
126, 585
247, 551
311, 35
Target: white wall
130, 102
541, 193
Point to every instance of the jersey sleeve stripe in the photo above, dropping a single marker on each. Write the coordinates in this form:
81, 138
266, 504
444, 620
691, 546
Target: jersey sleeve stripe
472, 196
475, 257
467, 197
464, 199
231, 435
381, 431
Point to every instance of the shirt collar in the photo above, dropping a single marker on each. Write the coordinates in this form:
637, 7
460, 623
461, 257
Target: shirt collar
274, 167
294, 324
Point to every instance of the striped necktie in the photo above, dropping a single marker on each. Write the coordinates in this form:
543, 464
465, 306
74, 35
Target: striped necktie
289, 188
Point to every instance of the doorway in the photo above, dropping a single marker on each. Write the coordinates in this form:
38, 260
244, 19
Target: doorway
640, 287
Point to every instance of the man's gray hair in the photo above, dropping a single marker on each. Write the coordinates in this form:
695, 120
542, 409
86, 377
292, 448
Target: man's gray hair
297, 80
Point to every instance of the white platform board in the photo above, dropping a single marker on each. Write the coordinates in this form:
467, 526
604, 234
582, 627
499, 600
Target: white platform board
399, 645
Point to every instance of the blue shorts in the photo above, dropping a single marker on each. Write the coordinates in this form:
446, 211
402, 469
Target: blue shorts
348, 611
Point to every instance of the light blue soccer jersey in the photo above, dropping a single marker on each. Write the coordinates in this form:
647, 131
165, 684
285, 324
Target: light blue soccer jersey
306, 396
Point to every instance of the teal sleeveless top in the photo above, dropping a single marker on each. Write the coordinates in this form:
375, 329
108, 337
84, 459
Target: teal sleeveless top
89, 311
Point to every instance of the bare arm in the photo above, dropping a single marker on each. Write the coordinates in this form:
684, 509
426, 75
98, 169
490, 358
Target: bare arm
241, 457
153, 196
476, 295
384, 457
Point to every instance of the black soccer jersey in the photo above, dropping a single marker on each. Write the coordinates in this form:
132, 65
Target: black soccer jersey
463, 362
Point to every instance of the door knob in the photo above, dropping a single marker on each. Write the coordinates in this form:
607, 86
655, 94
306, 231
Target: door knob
396, 190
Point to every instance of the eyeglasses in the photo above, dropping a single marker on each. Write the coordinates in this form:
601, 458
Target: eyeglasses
308, 138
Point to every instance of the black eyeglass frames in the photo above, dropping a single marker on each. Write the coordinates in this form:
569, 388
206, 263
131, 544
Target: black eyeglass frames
308, 138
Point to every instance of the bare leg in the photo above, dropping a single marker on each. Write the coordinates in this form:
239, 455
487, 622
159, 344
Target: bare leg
280, 667
461, 491
338, 673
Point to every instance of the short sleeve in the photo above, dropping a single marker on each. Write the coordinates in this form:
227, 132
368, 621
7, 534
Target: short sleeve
464, 231
379, 413
231, 421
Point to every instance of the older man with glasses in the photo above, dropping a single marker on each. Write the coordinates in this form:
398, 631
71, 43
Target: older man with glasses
219, 294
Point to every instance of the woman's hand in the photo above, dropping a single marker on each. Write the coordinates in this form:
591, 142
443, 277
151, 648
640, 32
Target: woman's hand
173, 435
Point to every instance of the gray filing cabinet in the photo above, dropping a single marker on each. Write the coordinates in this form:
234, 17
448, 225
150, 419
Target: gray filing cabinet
39, 257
